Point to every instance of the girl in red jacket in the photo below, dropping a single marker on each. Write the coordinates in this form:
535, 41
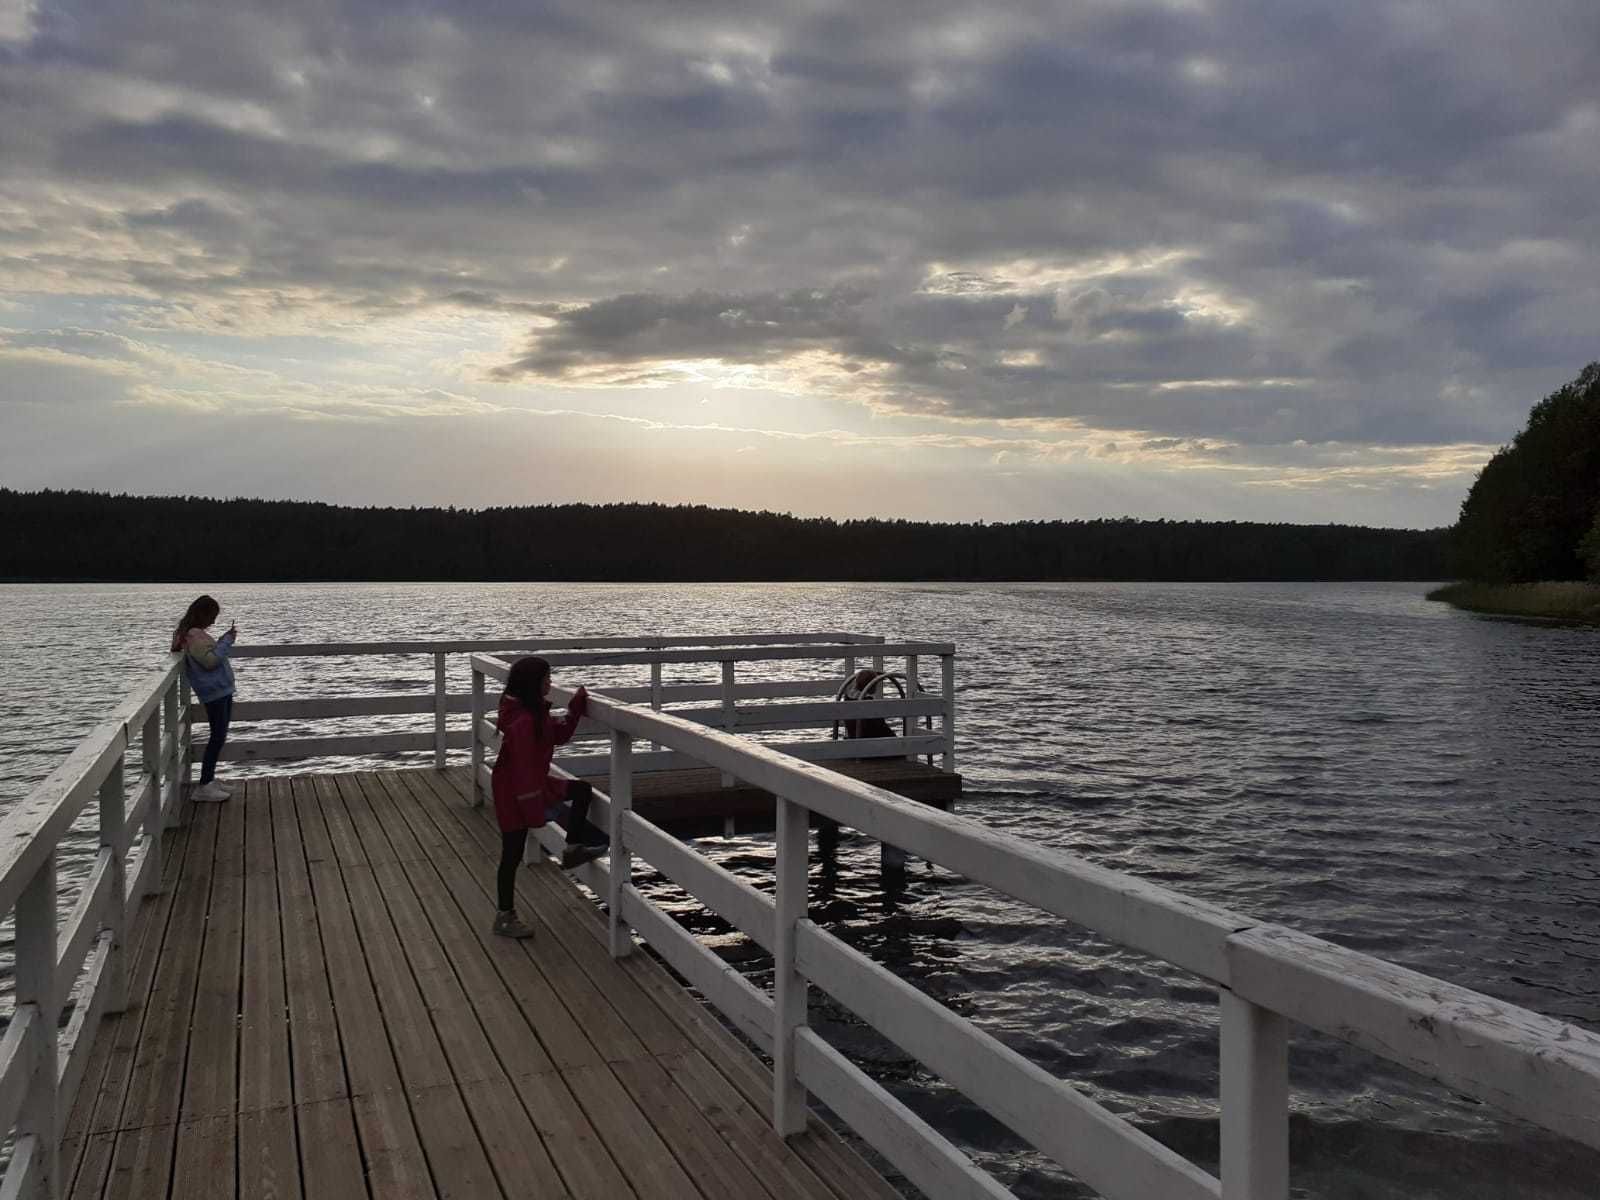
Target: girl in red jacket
526, 794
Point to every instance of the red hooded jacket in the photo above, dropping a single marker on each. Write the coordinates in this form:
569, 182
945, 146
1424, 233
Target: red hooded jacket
524, 789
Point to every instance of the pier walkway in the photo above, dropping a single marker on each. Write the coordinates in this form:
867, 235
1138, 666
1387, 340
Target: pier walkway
295, 995
317, 1009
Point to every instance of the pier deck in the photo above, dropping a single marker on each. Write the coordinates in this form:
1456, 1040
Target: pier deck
317, 1009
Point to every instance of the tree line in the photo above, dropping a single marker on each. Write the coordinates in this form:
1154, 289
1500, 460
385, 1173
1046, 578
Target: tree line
77, 535
1533, 513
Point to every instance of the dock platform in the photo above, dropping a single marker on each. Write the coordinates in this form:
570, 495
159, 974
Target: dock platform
318, 1010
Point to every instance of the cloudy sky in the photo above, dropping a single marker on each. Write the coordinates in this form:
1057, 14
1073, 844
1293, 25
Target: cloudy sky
1254, 259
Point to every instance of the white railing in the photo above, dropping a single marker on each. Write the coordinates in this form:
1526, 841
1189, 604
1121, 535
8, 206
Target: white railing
652, 652
1543, 1070
84, 961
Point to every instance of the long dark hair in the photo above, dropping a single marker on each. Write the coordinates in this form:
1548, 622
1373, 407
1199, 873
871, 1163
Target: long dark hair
201, 613
525, 684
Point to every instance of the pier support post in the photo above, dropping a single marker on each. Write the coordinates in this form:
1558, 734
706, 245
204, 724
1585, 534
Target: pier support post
621, 856
1255, 1101
439, 699
113, 807
477, 736
38, 1117
789, 986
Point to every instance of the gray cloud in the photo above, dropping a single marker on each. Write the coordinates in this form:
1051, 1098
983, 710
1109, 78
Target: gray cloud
1359, 222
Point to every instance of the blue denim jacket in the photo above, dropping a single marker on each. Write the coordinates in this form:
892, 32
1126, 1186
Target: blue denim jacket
211, 683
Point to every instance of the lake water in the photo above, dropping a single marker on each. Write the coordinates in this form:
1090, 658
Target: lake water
1347, 759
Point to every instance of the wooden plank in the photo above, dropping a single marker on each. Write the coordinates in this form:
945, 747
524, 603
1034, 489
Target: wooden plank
751, 1135
142, 1159
724, 893
532, 645
269, 1166
317, 1063
331, 1162
631, 1140
204, 1164
556, 1033
89, 1136
702, 1150
454, 1152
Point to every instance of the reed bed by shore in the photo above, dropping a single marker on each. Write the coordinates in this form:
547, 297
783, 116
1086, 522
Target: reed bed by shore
1564, 601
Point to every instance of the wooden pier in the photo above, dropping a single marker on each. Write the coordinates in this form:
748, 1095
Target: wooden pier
294, 994
317, 1009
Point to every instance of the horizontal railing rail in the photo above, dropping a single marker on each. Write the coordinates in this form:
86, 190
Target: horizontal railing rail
741, 704
1535, 1067
79, 966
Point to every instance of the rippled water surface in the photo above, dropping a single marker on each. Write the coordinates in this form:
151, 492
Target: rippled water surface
1348, 759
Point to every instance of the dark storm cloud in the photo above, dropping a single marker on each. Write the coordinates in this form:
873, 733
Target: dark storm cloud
1250, 219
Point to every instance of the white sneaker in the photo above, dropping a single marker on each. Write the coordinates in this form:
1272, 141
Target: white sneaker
211, 793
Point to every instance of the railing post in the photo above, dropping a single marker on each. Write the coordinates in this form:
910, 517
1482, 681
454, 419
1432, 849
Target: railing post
438, 711
113, 807
789, 986
908, 723
173, 704
150, 755
477, 736
621, 856
655, 693
947, 684
727, 708
36, 985
1255, 1101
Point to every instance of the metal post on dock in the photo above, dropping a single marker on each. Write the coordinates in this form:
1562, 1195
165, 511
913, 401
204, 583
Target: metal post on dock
1255, 1101
477, 736
113, 838
789, 986
38, 1118
439, 699
621, 857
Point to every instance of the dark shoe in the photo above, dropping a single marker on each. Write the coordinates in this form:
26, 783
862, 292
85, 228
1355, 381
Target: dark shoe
508, 924
590, 836
576, 856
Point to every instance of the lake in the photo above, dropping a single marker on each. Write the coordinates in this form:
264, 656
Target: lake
1347, 759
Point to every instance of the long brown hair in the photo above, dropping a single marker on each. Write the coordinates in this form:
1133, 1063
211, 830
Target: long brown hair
525, 684
201, 613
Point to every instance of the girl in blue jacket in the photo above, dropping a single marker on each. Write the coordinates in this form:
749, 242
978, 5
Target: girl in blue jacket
205, 663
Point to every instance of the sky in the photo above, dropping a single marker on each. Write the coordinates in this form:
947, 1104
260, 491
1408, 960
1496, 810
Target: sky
1194, 259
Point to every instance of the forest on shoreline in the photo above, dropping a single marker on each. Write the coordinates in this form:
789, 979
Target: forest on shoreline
92, 536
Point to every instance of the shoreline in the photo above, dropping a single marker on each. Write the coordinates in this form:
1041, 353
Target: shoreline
1569, 601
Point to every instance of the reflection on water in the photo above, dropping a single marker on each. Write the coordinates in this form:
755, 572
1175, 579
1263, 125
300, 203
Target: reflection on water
1348, 759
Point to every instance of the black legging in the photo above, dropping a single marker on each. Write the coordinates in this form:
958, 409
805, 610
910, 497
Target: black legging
515, 843
218, 714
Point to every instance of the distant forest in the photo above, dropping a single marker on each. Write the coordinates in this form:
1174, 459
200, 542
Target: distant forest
69, 535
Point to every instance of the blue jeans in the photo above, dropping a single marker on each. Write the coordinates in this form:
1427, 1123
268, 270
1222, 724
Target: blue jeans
218, 713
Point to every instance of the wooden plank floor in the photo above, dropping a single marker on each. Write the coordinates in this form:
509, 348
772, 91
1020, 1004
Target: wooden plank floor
319, 1011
